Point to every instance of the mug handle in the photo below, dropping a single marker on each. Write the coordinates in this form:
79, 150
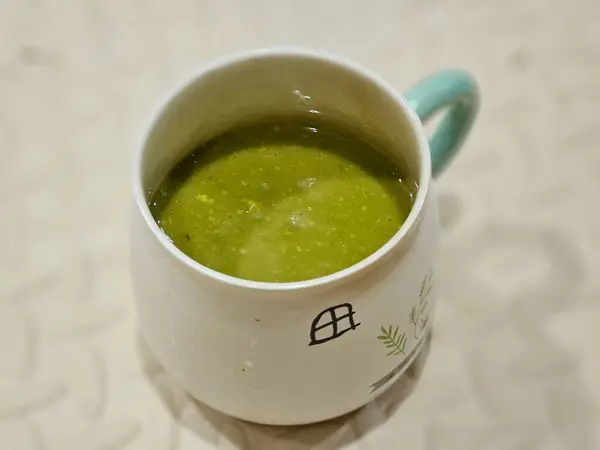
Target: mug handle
453, 89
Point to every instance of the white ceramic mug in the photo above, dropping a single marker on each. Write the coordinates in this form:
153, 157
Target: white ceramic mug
294, 353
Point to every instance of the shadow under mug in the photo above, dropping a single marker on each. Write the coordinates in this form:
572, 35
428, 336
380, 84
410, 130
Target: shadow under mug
302, 352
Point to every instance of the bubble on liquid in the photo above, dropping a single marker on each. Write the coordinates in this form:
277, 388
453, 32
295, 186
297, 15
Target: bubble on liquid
298, 220
306, 183
265, 186
300, 96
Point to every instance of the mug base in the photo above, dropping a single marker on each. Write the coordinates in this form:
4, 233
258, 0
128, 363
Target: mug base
389, 399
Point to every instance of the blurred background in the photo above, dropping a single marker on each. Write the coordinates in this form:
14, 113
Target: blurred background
514, 361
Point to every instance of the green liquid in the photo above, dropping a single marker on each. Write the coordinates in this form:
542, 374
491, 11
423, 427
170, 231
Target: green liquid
283, 201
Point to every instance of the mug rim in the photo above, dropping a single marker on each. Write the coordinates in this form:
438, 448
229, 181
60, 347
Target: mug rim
424, 177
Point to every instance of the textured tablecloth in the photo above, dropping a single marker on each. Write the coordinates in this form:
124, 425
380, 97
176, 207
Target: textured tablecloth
515, 356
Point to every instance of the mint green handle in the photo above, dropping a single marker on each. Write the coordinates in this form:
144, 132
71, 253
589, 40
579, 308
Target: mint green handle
452, 89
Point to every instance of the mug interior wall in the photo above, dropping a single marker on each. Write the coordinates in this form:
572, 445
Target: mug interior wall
270, 84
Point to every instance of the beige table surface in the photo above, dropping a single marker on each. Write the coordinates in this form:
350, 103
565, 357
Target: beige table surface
515, 358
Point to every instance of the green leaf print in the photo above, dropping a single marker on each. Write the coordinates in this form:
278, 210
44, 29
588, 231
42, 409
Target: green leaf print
392, 339
412, 317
